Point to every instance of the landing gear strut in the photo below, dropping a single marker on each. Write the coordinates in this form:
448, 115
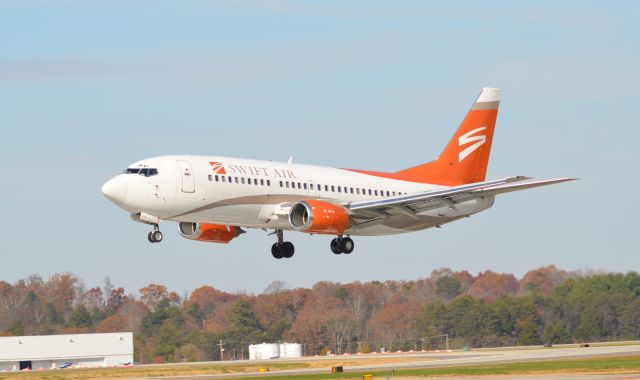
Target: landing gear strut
342, 245
155, 236
282, 249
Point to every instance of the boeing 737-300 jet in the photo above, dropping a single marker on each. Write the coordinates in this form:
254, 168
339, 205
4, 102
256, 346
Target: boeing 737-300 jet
212, 197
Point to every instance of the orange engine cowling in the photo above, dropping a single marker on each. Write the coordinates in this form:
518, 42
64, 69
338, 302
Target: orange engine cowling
319, 217
212, 233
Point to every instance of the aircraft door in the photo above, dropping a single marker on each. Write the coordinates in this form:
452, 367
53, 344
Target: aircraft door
188, 179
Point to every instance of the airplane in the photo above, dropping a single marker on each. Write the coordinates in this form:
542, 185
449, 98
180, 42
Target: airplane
213, 197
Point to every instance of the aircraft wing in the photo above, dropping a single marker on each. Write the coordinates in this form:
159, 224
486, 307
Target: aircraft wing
413, 204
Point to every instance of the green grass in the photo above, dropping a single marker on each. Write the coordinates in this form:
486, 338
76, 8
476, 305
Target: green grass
625, 364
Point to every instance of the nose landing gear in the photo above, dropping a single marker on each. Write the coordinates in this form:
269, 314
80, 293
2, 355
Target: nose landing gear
282, 249
155, 236
342, 245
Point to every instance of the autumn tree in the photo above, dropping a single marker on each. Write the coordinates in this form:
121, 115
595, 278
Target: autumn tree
153, 294
490, 286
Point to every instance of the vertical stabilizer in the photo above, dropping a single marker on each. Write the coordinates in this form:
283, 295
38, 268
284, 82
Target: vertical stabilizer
466, 157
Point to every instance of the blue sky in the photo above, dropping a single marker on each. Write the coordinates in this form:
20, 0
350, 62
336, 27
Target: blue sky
88, 87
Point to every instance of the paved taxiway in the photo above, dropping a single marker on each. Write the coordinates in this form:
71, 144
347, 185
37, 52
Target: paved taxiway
456, 358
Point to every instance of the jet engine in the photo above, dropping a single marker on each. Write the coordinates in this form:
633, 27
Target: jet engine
319, 217
212, 233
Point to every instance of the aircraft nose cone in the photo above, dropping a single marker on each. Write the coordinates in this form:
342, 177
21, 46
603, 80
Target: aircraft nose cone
116, 189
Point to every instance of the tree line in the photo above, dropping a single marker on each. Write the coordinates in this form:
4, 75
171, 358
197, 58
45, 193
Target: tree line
547, 305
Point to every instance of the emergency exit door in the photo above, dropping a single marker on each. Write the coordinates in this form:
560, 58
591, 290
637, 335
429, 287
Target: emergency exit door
188, 179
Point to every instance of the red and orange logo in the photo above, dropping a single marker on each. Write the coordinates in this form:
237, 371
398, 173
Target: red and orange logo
218, 168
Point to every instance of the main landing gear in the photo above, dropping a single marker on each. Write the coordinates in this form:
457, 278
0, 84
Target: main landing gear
342, 245
282, 249
155, 236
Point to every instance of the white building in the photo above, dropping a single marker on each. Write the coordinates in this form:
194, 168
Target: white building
274, 351
55, 351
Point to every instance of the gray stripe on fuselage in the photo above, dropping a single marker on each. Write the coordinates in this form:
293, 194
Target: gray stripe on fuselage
273, 199
485, 106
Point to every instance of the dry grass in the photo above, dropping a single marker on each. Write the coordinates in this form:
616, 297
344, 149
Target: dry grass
200, 369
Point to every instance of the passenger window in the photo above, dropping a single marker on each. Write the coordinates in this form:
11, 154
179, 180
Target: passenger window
242, 180
224, 179
339, 190
304, 185
210, 177
326, 187
299, 186
388, 193
262, 182
216, 178
358, 190
311, 186
394, 193
281, 184
268, 182
369, 191
287, 183
375, 192
333, 188
351, 190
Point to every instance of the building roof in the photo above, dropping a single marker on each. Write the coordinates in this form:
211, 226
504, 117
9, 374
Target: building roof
46, 347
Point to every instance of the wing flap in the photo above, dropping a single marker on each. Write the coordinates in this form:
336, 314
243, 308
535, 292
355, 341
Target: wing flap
412, 204
509, 187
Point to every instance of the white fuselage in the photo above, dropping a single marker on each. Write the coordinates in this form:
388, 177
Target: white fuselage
258, 194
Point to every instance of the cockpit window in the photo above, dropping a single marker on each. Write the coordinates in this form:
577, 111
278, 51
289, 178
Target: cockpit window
147, 172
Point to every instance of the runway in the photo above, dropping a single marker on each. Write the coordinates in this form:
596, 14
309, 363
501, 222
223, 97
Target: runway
459, 358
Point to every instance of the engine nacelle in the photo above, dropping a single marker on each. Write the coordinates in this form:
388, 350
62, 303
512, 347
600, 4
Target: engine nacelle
212, 233
319, 217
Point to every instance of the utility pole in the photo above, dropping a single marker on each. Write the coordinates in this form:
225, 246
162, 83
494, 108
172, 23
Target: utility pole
221, 344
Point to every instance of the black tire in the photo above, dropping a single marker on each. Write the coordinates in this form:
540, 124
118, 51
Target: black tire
335, 247
287, 249
275, 251
150, 237
346, 245
156, 236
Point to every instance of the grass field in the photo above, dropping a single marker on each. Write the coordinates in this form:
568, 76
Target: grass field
618, 365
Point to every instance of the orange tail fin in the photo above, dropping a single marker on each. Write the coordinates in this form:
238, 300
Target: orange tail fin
466, 158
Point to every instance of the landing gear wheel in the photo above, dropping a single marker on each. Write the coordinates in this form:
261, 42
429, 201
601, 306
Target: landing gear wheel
156, 236
282, 249
335, 246
150, 237
287, 249
346, 245
275, 251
